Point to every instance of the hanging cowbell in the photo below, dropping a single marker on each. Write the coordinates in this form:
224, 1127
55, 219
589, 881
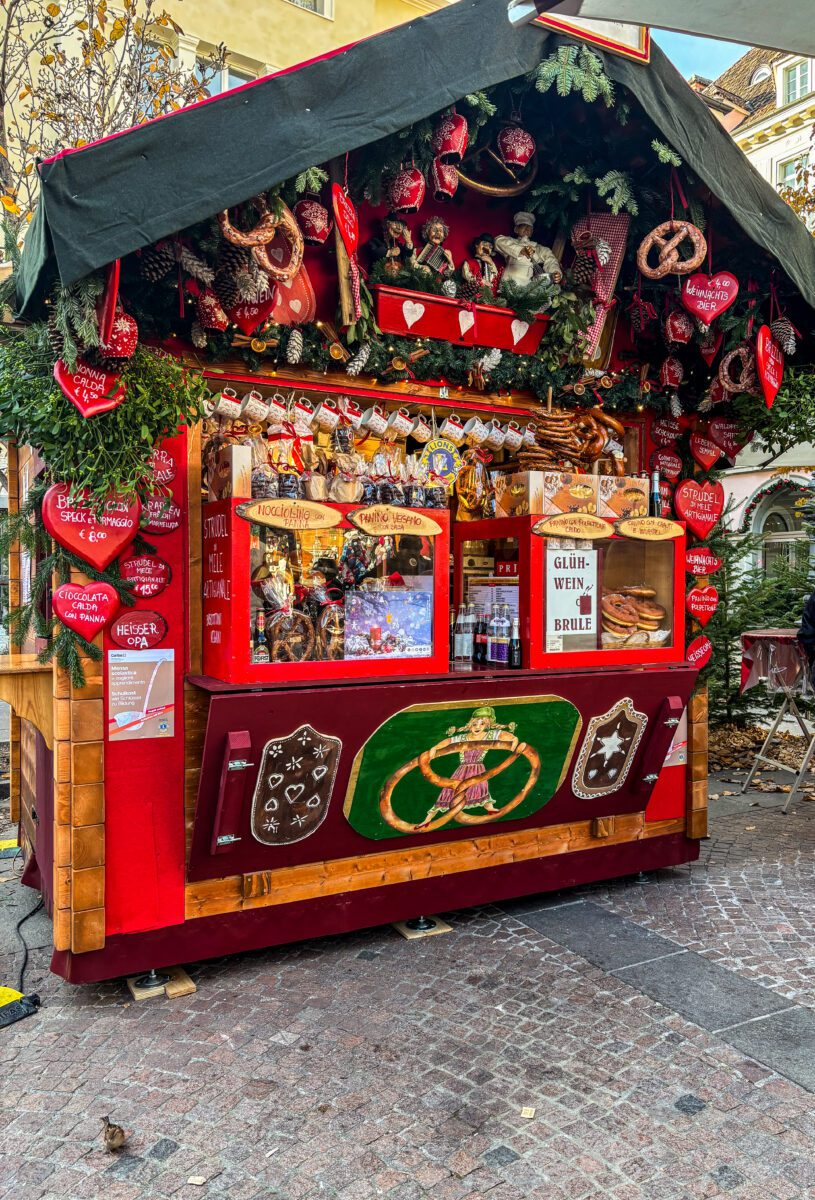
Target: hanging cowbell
677, 327
407, 189
671, 373
444, 179
450, 139
314, 220
515, 145
209, 311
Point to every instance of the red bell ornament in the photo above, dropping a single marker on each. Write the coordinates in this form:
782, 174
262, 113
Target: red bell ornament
123, 339
444, 180
314, 220
209, 311
671, 373
450, 139
515, 146
678, 327
407, 189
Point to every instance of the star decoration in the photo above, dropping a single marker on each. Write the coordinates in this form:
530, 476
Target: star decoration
611, 745
294, 764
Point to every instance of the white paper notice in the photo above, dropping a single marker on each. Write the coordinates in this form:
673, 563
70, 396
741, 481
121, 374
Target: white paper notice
141, 686
571, 599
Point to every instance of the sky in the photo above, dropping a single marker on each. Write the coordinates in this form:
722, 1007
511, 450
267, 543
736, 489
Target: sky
698, 56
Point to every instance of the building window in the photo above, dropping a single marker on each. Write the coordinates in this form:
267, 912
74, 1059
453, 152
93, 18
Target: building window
761, 75
224, 80
796, 82
789, 172
323, 8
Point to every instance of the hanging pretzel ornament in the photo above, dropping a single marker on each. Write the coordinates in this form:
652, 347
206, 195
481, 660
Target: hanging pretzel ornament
737, 372
667, 238
257, 240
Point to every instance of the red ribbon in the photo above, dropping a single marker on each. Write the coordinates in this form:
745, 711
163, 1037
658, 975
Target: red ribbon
289, 434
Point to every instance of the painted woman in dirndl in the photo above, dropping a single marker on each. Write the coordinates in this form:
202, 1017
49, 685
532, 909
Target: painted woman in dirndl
481, 727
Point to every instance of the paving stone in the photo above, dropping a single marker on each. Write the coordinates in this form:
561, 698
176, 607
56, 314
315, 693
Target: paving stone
786, 1040
602, 937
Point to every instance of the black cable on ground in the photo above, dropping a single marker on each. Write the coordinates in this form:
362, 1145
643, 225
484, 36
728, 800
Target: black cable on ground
17, 929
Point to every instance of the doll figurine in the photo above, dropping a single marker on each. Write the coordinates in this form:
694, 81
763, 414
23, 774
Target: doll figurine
480, 272
526, 260
395, 247
433, 256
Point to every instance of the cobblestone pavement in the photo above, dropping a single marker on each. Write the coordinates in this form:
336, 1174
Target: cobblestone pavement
367, 1066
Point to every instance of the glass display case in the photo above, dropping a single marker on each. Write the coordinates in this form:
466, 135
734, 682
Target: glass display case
608, 598
303, 590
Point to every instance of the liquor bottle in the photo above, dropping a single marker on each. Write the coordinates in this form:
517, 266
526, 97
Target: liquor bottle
493, 628
260, 650
515, 657
500, 637
469, 634
480, 639
461, 636
655, 503
452, 646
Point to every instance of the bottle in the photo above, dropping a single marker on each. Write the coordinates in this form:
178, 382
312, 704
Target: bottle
469, 634
461, 635
493, 627
515, 657
480, 639
655, 504
452, 631
260, 650
504, 628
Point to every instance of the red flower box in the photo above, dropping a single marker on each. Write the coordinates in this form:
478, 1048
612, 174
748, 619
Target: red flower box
420, 314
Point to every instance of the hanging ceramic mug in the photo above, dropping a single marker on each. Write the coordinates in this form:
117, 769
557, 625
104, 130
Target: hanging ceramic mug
514, 438
496, 435
400, 423
303, 411
327, 415
475, 431
530, 434
452, 429
420, 430
278, 409
254, 407
351, 411
227, 406
375, 420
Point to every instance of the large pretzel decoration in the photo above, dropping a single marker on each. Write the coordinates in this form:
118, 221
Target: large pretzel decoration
737, 372
461, 788
257, 240
667, 238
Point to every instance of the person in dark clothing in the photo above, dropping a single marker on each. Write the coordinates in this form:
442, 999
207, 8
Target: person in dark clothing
806, 634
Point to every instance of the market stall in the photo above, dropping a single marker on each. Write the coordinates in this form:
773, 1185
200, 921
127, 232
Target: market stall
378, 508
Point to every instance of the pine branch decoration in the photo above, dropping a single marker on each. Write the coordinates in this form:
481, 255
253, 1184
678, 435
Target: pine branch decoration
665, 153
616, 189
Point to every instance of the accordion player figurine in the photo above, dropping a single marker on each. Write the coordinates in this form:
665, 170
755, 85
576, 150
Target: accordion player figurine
433, 256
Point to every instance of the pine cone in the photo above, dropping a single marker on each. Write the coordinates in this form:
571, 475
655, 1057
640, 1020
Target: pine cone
232, 259
583, 270
357, 364
54, 336
294, 349
676, 406
157, 261
226, 289
784, 333
469, 291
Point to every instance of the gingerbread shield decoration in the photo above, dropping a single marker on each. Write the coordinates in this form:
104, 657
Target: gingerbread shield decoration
609, 748
294, 786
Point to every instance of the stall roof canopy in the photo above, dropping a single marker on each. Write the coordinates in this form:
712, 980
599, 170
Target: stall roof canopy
108, 199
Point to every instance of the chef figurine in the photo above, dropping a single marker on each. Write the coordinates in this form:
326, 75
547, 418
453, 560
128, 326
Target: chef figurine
526, 259
433, 256
481, 271
395, 246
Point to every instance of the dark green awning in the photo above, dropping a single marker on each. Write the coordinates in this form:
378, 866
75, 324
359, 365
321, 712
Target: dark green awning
109, 199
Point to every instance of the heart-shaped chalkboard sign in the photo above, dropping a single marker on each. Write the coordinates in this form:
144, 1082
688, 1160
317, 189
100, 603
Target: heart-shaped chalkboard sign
704, 451
91, 390
770, 362
85, 609
249, 315
667, 463
699, 652
702, 561
97, 539
161, 515
147, 574
702, 602
730, 435
665, 430
708, 296
700, 505
346, 217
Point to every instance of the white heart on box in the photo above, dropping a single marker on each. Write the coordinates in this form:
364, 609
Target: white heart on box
412, 312
519, 330
276, 253
466, 320
288, 283
295, 305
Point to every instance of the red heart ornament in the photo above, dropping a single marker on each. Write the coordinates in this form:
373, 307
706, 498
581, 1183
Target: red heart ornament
97, 540
138, 630
700, 505
770, 362
667, 463
346, 218
147, 573
86, 609
701, 603
699, 651
711, 346
248, 316
729, 435
295, 299
708, 296
665, 430
90, 389
705, 452
702, 561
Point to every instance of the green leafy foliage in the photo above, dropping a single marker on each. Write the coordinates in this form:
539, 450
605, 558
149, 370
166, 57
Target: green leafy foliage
616, 189
575, 69
665, 153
